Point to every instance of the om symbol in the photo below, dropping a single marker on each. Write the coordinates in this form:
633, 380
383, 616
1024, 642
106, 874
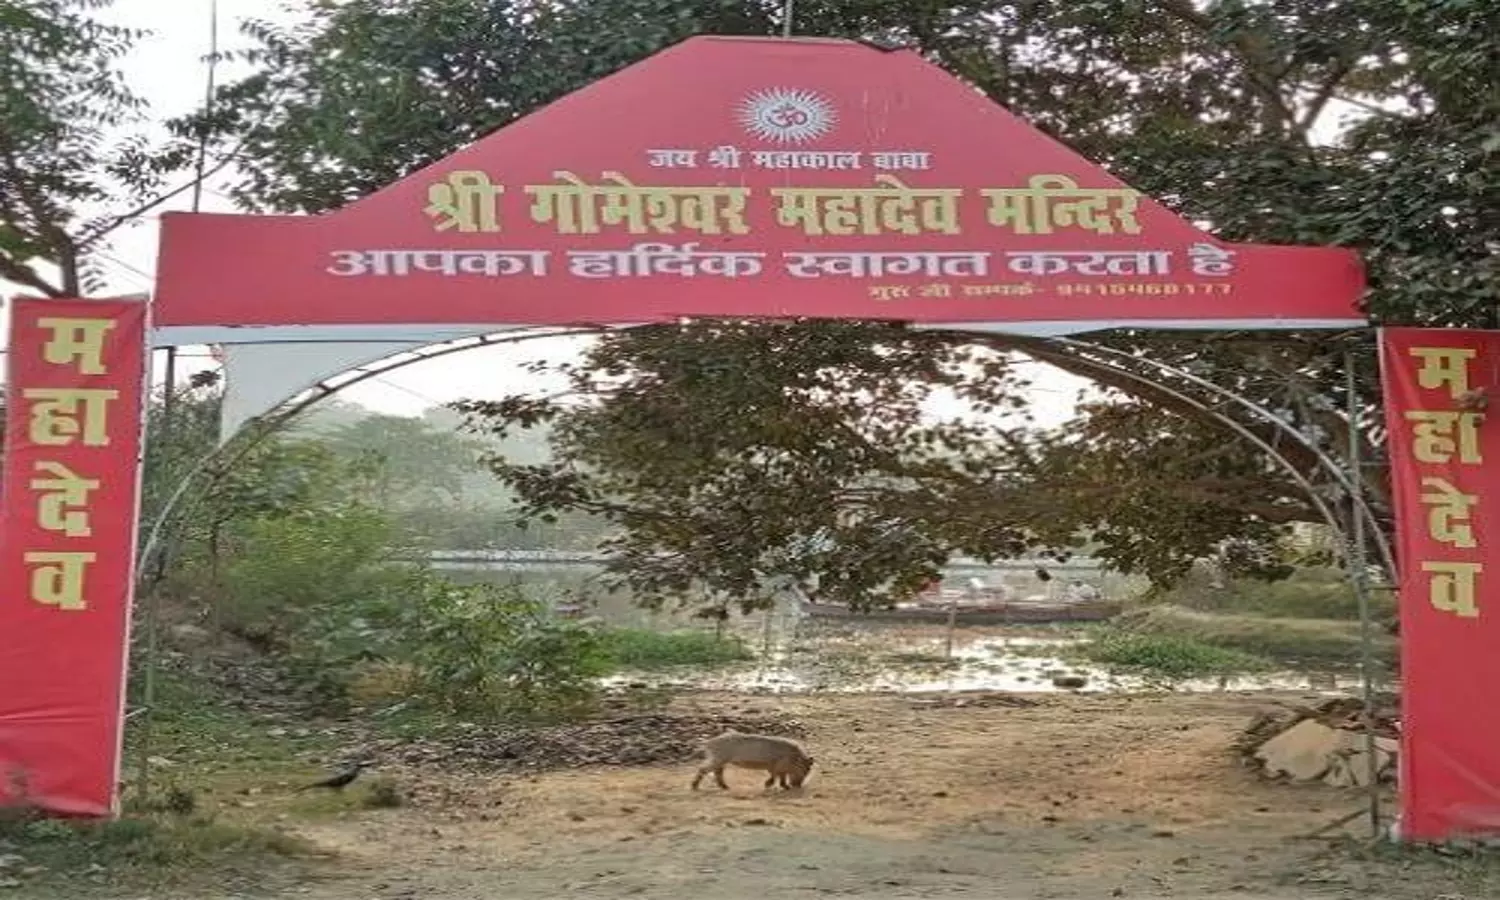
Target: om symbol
788, 115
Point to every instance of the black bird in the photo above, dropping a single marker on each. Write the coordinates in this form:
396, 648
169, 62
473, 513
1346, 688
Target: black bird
885, 45
340, 781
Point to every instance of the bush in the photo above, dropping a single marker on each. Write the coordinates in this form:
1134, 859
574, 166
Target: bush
293, 565
1312, 593
1169, 656
638, 648
491, 652
1292, 641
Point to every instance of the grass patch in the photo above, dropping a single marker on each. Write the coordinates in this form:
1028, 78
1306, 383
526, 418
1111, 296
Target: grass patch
1294, 641
1452, 871
201, 733
1169, 656
920, 658
221, 765
1312, 593
641, 649
42, 854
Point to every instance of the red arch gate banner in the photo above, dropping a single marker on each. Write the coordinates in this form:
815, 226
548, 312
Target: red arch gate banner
728, 177
76, 371
751, 177
1445, 486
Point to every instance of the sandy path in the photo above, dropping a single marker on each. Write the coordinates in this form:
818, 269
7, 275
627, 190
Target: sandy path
1081, 797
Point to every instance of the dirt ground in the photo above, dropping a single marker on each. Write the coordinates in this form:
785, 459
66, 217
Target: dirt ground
1077, 797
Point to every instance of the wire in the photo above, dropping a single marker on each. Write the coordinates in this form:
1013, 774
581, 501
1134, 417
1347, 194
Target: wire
150, 279
201, 166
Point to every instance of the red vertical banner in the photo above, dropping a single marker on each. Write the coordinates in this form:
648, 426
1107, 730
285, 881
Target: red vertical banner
73, 414
1444, 451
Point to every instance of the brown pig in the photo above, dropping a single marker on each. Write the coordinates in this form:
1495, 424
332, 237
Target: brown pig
782, 760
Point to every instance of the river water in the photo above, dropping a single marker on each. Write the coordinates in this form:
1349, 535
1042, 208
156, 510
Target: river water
916, 660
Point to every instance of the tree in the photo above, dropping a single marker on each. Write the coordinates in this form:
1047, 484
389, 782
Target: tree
70, 173
411, 463
228, 491
1226, 111
730, 451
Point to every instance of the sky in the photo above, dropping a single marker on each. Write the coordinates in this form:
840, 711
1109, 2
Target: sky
167, 68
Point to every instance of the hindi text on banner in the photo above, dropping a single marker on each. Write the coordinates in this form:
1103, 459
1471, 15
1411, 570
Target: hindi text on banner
1440, 435
466, 202
1018, 289
59, 578
876, 265
806, 159
576, 207
1444, 367
890, 207
663, 259
901, 160
1119, 262
400, 263
1210, 261
1051, 202
672, 159
1448, 513
79, 341
63, 504
1453, 587
58, 415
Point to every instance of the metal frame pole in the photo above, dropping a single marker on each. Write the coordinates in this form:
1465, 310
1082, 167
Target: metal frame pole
1359, 577
1325, 462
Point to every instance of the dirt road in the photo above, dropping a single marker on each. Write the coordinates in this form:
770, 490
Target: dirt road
1079, 797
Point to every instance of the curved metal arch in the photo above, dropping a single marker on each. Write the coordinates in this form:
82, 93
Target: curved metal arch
1239, 429
1327, 463
261, 427
250, 433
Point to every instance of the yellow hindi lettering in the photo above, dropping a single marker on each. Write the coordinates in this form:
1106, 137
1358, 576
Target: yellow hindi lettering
1452, 589
623, 203
706, 210
63, 505
800, 206
59, 415
569, 205
466, 201
1050, 202
59, 579
910, 210
1439, 435
1444, 366
890, 207
576, 207
1448, 513
78, 341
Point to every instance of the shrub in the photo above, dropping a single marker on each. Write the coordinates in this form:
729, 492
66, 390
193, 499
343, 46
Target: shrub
1319, 641
1311, 593
292, 565
1169, 656
492, 652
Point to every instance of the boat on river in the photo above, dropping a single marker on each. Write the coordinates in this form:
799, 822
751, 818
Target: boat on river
976, 610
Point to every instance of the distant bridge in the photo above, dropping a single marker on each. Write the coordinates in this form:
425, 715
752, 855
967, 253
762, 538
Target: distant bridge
553, 560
